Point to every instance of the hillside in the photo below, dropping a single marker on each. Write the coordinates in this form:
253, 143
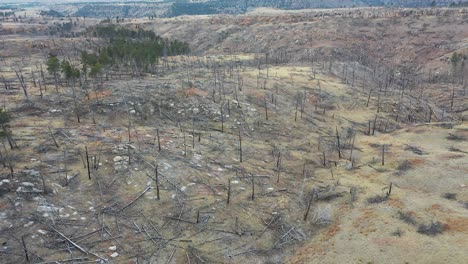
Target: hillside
274, 136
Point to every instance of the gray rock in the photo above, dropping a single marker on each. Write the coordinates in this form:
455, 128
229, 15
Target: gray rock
32, 173
27, 184
120, 167
28, 190
49, 209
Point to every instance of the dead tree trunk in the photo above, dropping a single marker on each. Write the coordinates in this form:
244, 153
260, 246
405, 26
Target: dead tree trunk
375, 123
389, 191
159, 140
185, 145
309, 204
25, 248
278, 167
229, 192
44, 187
240, 145
383, 155
222, 119
295, 114
352, 148
157, 182
253, 188
19, 74
34, 79
53, 138
338, 143
43, 79
87, 162
75, 102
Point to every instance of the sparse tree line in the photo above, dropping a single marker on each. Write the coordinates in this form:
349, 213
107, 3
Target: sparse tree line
51, 13
6, 16
64, 29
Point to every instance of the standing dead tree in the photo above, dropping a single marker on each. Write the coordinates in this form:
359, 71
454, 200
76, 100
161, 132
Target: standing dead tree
53, 138
229, 192
240, 145
312, 198
25, 248
87, 162
157, 181
338, 143
159, 140
253, 188
19, 75
278, 166
383, 155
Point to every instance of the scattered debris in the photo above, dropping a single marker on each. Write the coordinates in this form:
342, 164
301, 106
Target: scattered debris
415, 150
456, 137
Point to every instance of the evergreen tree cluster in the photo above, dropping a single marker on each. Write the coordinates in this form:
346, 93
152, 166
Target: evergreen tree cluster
69, 71
54, 66
142, 47
93, 63
4, 120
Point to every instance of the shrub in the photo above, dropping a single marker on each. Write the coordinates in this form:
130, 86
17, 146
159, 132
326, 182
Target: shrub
377, 199
322, 215
432, 229
404, 166
4, 120
397, 233
407, 218
465, 204
450, 196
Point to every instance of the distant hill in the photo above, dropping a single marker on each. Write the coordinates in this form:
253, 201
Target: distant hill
171, 8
